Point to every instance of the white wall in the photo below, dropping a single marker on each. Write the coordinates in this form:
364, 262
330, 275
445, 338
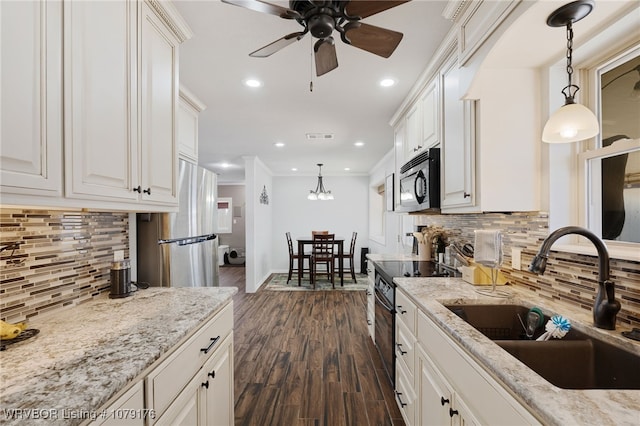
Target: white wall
293, 212
258, 224
393, 221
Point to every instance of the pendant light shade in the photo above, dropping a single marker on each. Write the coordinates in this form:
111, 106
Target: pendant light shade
320, 193
570, 123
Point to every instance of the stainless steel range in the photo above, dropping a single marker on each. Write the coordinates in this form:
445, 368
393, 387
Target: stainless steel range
385, 294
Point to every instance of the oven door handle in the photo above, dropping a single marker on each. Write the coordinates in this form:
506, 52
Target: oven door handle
384, 305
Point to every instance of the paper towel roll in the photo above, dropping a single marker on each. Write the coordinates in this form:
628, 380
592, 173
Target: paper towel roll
488, 247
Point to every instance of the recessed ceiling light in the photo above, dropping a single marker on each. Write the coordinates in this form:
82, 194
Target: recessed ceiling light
279, 144
252, 82
387, 82
225, 165
294, 169
359, 143
346, 169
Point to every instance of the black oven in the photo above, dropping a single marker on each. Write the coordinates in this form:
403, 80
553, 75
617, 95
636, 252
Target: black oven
420, 182
385, 295
385, 324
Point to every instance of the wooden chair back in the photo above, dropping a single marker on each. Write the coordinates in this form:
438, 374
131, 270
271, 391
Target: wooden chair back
319, 233
352, 248
290, 244
323, 247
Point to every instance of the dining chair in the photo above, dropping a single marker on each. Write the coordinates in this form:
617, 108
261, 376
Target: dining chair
319, 233
322, 254
349, 256
293, 257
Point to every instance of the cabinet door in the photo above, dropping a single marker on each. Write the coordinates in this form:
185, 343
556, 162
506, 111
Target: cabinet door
187, 409
414, 132
458, 162
101, 145
400, 159
127, 410
430, 105
436, 397
218, 396
158, 109
31, 113
187, 132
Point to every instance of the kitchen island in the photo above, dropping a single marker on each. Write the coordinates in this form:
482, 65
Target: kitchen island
87, 355
547, 403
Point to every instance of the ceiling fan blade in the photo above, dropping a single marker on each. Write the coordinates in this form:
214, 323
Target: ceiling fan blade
364, 8
281, 43
325, 56
379, 41
264, 7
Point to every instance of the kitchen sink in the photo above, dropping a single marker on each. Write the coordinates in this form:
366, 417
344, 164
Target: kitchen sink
577, 361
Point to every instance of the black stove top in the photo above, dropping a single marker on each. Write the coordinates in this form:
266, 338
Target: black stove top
390, 269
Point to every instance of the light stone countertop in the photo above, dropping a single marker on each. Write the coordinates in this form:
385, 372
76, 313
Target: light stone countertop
551, 404
86, 354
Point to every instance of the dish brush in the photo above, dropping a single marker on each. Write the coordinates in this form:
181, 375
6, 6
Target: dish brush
556, 327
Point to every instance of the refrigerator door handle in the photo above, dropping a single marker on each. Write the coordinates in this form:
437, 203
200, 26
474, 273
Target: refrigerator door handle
189, 240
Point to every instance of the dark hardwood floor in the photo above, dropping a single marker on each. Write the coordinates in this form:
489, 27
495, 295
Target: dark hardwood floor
305, 358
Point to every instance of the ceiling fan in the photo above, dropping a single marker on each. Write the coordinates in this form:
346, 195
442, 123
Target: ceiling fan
321, 18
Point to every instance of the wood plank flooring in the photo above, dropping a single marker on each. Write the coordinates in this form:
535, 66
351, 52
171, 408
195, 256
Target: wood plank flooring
305, 358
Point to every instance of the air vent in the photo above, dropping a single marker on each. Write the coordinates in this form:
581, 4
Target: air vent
319, 136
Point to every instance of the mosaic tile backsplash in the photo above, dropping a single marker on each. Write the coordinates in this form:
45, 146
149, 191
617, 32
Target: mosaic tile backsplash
64, 258
569, 277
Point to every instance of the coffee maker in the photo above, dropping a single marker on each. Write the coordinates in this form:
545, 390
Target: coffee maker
120, 279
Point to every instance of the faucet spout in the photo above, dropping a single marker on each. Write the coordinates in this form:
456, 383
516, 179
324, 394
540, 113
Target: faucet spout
605, 306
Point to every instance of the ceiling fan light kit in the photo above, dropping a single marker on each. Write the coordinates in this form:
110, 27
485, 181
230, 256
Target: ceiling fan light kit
571, 122
321, 18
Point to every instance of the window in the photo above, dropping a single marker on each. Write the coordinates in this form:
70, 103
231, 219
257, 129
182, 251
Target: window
612, 170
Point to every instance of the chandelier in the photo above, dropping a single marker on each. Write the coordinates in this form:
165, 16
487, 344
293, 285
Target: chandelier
320, 193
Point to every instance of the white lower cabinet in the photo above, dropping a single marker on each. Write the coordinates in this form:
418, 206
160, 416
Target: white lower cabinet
438, 383
191, 386
454, 389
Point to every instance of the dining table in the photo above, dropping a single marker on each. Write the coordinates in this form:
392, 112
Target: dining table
304, 241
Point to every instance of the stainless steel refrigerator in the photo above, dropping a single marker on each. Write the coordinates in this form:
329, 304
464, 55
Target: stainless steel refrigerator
181, 249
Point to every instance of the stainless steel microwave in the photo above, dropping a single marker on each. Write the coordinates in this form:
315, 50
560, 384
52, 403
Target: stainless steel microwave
420, 182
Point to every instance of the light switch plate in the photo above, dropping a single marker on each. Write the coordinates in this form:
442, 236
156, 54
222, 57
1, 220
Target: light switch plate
516, 254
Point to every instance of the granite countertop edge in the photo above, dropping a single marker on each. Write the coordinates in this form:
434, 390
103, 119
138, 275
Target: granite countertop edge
85, 355
550, 404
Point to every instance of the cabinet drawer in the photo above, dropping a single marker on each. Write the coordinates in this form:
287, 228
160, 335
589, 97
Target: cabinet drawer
406, 311
405, 348
170, 377
405, 396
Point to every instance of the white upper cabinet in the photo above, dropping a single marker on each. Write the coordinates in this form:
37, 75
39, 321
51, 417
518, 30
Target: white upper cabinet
189, 108
158, 109
101, 142
31, 111
458, 150
120, 79
430, 106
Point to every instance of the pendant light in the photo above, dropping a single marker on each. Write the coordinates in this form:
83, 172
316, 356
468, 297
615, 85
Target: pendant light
320, 193
572, 122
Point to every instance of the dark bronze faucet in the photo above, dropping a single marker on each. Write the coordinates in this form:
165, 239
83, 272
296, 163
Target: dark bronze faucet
605, 307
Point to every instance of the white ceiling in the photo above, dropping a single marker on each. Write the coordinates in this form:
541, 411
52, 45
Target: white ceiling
347, 102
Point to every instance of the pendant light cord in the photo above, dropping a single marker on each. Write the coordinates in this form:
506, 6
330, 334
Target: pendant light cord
571, 89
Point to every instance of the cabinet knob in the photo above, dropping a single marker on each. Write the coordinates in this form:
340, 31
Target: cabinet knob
443, 401
137, 189
147, 191
206, 384
212, 374
402, 311
467, 195
452, 412
369, 321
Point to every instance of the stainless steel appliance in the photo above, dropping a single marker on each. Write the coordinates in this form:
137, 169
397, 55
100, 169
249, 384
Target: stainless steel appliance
181, 249
420, 182
385, 295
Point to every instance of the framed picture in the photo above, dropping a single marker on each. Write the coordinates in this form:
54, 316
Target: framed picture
389, 192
